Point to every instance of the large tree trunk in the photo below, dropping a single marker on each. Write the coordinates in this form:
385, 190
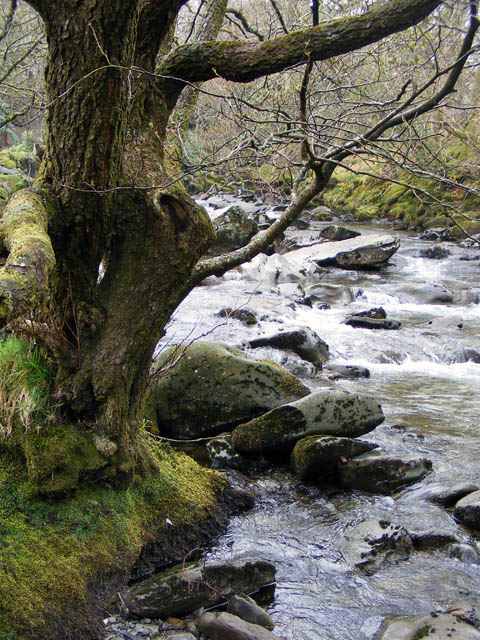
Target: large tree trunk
104, 248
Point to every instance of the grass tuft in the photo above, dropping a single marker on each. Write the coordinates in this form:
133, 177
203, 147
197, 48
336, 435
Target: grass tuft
24, 386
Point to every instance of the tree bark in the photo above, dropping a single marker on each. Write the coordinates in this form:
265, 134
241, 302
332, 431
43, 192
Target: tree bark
123, 241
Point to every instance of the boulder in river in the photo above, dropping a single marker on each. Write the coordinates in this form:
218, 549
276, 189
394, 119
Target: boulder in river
234, 230
437, 252
225, 626
334, 232
184, 588
336, 371
466, 355
364, 322
364, 252
326, 412
303, 341
467, 510
434, 626
382, 473
317, 457
212, 386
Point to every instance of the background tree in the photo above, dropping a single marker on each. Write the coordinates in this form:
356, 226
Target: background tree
107, 244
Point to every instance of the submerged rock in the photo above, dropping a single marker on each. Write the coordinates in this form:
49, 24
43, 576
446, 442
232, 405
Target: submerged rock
246, 316
434, 626
325, 412
213, 386
436, 252
373, 544
383, 473
467, 355
303, 341
467, 510
317, 457
225, 626
184, 588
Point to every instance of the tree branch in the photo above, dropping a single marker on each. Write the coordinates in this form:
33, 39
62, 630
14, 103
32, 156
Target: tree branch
246, 61
24, 278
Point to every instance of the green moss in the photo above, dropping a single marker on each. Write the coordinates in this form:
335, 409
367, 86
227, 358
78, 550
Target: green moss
53, 555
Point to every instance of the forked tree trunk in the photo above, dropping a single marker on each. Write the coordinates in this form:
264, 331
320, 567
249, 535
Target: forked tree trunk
98, 257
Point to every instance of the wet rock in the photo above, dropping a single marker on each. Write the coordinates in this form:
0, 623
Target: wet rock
298, 367
466, 355
182, 589
225, 626
383, 473
377, 313
449, 496
234, 230
347, 371
303, 341
467, 510
334, 232
374, 544
247, 609
435, 253
431, 539
246, 316
317, 457
223, 455
364, 322
324, 413
465, 553
434, 626
213, 386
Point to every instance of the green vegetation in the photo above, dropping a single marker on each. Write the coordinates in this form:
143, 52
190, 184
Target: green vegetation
55, 556
24, 386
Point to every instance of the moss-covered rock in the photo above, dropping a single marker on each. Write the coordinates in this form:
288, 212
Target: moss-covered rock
326, 412
184, 588
213, 386
57, 559
317, 457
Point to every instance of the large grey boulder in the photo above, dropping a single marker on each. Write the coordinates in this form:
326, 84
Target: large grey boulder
303, 341
326, 412
234, 230
374, 544
434, 626
213, 386
182, 589
225, 626
382, 473
317, 457
363, 252
448, 496
467, 510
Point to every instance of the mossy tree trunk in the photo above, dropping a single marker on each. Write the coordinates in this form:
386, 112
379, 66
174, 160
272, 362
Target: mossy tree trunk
115, 243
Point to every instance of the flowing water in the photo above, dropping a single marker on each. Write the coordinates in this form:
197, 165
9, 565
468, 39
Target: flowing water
432, 407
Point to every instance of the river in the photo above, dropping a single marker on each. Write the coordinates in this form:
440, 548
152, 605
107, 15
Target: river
432, 407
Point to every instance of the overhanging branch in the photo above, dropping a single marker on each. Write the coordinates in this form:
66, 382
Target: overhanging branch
246, 61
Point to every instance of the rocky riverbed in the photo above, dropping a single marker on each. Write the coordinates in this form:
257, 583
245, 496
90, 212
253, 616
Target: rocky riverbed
353, 549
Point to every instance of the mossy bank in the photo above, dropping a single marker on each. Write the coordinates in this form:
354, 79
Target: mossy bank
60, 560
